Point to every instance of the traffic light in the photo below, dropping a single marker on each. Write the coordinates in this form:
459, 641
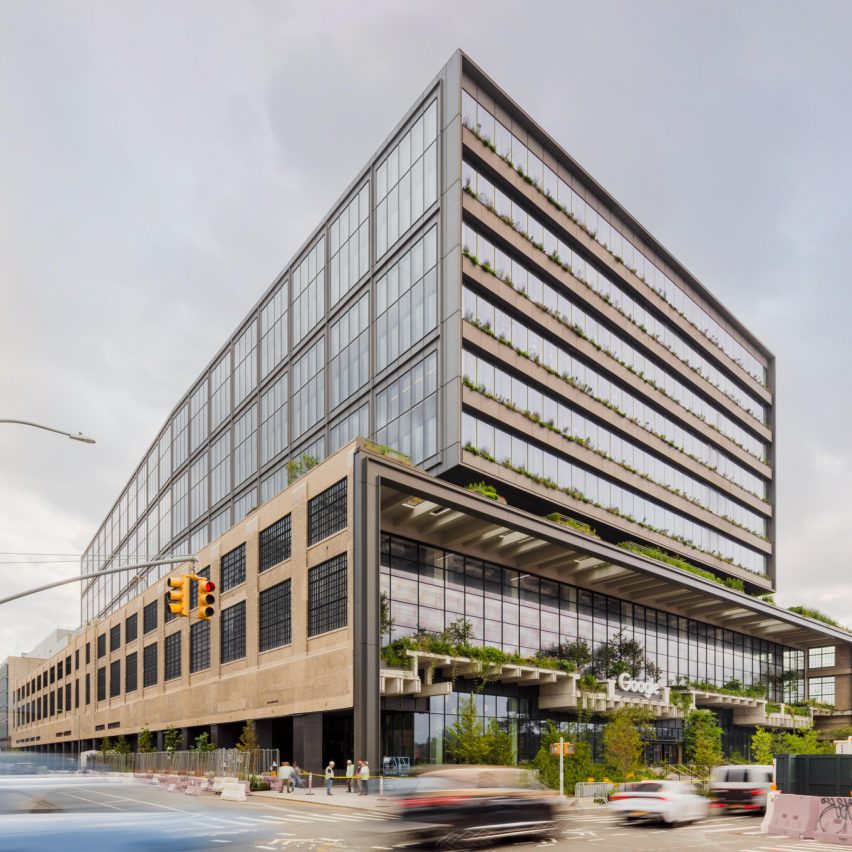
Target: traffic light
206, 598
179, 595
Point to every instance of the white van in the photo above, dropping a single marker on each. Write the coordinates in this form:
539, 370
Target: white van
741, 787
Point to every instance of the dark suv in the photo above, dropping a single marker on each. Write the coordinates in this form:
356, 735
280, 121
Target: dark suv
741, 787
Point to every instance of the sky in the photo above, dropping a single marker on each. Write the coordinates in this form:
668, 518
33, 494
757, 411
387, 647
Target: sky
161, 162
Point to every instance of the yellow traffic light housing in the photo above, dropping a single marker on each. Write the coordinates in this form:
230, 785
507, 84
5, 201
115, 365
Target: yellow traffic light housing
206, 598
179, 595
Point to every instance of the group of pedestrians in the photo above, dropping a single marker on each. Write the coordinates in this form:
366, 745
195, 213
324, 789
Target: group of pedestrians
357, 777
292, 776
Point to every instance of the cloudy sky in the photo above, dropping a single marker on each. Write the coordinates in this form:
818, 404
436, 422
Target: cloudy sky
160, 162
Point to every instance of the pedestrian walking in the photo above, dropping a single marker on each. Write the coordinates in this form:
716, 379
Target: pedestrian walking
285, 771
350, 775
364, 775
329, 777
297, 775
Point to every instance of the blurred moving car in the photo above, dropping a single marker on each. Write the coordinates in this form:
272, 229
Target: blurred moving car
673, 802
741, 787
463, 805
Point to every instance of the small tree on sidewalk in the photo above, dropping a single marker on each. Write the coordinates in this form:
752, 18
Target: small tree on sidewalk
465, 740
248, 738
172, 740
702, 739
622, 740
145, 741
106, 746
202, 743
121, 746
762, 750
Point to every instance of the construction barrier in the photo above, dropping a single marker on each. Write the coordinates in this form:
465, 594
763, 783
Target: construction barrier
827, 819
590, 790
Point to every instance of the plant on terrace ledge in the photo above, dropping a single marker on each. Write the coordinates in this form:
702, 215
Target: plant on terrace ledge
486, 489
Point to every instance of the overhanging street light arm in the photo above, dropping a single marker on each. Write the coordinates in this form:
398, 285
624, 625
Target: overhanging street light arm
174, 560
78, 437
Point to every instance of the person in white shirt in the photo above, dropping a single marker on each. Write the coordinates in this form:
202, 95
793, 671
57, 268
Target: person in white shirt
364, 777
350, 775
329, 777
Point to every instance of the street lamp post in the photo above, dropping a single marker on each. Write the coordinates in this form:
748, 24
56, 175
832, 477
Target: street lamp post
78, 437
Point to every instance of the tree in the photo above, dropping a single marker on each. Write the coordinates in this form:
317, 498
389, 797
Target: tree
172, 740
248, 738
577, 767
802, 742
501, 748
106, 745
578, 653
460, 632
385, 620
121, 746
762, 746
702, 740
465, 740
202, 743
623, 654
145, 741
622, 740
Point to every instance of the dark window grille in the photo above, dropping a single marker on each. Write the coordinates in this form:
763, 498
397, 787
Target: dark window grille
234, 632
131, 626
115, 637
275, 543
193, 588
171, 656
88, 653
59, 700
199, 646
275, 621
149, 665
77, 693
149, 617
88, 689
327, 513
77, 660
68, 665
52, 704
327, 596
130, 673
101, 645
68, 697
53, 674
59, 670
233, 568
102, 683
114, 678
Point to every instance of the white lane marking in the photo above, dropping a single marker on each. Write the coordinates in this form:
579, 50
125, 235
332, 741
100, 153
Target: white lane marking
144, 802
94, 802
215, 840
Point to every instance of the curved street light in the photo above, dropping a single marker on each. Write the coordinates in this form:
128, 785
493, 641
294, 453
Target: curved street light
78, 437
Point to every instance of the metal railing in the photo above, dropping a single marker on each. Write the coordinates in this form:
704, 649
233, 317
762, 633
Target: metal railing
222, 761
589, 790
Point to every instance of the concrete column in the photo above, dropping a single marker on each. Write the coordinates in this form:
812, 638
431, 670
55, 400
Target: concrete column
307, 741
184, 739
214, 735
159, 740
263, 731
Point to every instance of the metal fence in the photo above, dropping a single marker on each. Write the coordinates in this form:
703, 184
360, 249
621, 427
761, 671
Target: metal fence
222, 761
596, 790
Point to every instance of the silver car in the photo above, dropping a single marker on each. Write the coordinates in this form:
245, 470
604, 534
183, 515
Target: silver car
672, 802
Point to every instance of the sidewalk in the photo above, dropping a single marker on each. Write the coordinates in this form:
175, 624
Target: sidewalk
339, 799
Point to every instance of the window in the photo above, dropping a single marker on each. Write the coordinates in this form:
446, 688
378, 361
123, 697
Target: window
220, 463
821, 658
308, 374
59, 670
309, 291
349, 245
327, 596
327, 513
821, 689
198, 487
59, 700
244, 504
68, 665
407, 180
199, 646
171, 655
273, 415
275, 545
273, 331
149, 617
115, 637
88, 653
245, 363
245, 446
77, 693
68, 697
275, 616
114, 678
164, 451
130, 627
149, 665
352, 426
221, 522
101, 651
233, 627
77, 660
407, 411
88, 689
180, 436
193, 588
53, 701
220, 391
233, 568
349, 348
130, 674
198, 409
407, 300
180, 506
101, 684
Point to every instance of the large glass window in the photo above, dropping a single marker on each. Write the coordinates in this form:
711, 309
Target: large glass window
233, 638
101, 688
171, 657
198, 498
275, 622
407, 411
149, 617
349, 345
164, 452
220, 391
308, 375
275, 543
220, 473
233, 568
407, 180
131, 627
327, 596
101, 652
349, 245
198, 410
245, 446
199, 646
149, 665
180, 505
821, 658
308, 291
180, 436
327, 512
115, 637
273, 427
114, 678
245, 363
352, 426
273, 331
130, 673
407, 300
821, 689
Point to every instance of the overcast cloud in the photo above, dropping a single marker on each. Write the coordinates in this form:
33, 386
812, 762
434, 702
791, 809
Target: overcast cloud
161, 162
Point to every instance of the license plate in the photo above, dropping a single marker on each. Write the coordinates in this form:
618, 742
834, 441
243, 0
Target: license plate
637, 813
